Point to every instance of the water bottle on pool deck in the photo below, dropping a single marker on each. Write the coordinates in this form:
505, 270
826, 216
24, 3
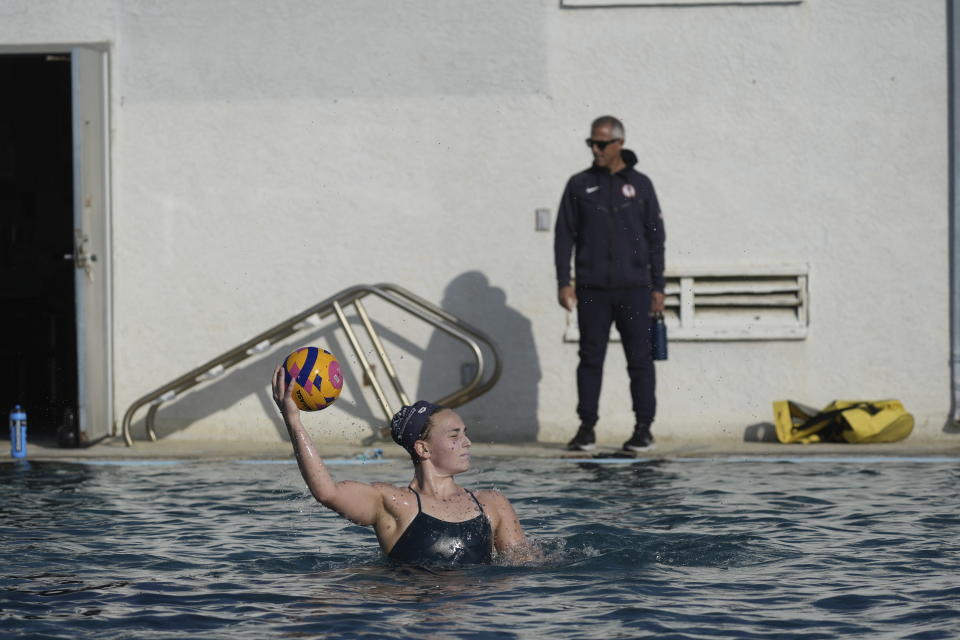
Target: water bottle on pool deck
658, 337
18, 432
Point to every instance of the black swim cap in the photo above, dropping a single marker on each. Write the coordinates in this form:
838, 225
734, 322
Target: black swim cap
408, 423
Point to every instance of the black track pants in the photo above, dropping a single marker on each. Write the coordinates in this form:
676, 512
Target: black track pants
629, 310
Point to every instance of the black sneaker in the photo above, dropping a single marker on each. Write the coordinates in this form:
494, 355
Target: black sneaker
641, 440
583, 441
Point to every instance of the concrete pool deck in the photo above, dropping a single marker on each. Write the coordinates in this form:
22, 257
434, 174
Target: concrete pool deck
666, 449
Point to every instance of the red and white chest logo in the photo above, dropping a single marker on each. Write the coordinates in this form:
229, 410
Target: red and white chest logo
628, 191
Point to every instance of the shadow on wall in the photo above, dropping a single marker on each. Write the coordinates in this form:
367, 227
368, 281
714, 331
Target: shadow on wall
507, 412
234, 388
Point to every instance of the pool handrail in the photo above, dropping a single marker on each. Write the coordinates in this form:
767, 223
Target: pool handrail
396, 295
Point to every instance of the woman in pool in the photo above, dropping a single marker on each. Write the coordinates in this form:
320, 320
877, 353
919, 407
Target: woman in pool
433, 520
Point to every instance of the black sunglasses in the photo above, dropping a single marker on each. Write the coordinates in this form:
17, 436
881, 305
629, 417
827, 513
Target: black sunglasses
600, 144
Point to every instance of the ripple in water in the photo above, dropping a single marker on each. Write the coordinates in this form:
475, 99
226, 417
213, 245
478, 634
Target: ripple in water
706, 549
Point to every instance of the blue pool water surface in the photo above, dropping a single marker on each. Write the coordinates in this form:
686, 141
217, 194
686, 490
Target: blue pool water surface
825, 548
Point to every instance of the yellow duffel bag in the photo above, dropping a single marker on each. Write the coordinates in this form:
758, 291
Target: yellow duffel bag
857, 421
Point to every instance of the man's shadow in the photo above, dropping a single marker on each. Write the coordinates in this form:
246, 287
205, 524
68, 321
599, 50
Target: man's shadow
508, 411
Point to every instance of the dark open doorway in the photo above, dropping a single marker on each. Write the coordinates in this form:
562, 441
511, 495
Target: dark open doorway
38, 342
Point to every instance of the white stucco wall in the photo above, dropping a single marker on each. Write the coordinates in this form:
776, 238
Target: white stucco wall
266, 155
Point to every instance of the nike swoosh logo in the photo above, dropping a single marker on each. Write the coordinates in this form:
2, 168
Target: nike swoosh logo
592, 189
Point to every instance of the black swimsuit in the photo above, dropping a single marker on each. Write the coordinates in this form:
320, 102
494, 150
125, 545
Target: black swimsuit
429, 541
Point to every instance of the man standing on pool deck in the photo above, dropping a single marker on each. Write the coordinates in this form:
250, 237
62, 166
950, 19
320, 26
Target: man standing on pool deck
609, 216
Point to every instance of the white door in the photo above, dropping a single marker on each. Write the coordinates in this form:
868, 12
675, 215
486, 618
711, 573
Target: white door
92, 243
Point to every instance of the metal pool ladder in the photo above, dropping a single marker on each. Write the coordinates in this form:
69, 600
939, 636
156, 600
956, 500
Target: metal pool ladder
311, 319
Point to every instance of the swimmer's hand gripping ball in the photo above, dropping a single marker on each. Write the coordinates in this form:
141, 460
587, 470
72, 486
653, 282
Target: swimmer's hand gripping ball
315, 376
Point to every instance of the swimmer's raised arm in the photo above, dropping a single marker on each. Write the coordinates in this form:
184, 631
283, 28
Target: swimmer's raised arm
359, 502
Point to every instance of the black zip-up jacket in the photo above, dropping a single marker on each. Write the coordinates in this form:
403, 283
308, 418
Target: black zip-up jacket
614, 222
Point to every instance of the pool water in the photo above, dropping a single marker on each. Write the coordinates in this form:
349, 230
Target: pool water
749, 548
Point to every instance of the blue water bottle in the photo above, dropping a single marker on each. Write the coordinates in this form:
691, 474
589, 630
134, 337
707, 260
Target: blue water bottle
18, 432
658, 337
